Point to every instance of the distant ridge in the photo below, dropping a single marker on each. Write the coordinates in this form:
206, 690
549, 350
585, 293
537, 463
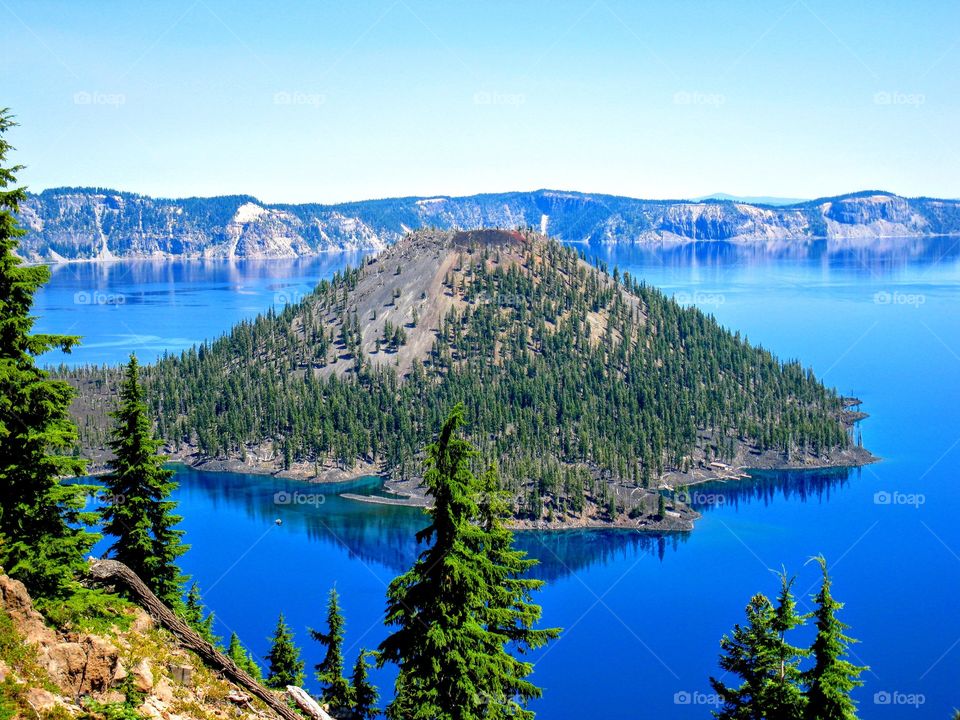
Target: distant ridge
752, 199
69, 224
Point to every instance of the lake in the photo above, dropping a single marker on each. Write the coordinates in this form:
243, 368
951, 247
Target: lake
642, 615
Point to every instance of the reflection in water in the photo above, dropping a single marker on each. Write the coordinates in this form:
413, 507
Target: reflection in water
165, 277
384, 534
765, 486
566, 552
879, 256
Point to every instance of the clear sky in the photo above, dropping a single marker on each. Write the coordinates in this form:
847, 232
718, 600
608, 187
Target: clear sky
338, 100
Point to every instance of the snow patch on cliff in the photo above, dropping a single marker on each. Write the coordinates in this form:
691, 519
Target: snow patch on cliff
248, 212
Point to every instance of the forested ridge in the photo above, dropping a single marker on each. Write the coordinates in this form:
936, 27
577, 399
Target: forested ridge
91, 223
572, 376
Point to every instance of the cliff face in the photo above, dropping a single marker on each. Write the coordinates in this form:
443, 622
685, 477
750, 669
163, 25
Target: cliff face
93, 224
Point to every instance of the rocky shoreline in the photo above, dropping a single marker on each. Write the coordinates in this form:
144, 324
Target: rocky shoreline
678, 518
638, 507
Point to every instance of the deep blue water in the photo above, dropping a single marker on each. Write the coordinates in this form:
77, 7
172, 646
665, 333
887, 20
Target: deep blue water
151, 307
642, 615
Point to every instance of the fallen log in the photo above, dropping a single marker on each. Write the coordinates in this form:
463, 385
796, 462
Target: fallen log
114, 572
306, 703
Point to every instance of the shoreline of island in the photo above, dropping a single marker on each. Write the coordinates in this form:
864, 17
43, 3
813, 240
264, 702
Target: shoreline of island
678, 518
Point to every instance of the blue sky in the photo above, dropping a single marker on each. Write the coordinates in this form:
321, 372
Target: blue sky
331, 101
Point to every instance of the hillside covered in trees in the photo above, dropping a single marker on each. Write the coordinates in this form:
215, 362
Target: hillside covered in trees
587, 387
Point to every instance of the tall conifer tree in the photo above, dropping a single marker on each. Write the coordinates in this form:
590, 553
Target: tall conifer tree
455, 609
365, 694
784, 698
832, 677
285, 665
43, 540
336, 690
749, 652
138, 510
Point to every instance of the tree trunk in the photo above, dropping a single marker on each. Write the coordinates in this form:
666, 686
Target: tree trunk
114, 572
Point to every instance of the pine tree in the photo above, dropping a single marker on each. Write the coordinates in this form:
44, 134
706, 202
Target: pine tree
749, 652
43, 540
138, 510
452, 608
509, 616
336, 690
193, 615
365, 694
242, 659
784, 697
832, 678
285, 666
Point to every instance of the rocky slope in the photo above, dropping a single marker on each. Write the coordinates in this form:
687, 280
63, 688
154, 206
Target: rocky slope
135, 670
97, 224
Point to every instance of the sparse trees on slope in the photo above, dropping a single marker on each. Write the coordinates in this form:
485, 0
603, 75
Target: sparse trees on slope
193, 615
285, 666
243, 659
138, 511
42, 537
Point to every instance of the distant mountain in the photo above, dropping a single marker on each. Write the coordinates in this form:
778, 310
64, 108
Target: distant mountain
96, 224
753, 199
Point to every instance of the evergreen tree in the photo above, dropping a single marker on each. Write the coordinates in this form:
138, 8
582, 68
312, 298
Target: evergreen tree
784, 698
285, 666
43, 540
336, 690
509, 615
365, 694
138, 510
193, 615
749, 652
455, 608
832, 678
242, 659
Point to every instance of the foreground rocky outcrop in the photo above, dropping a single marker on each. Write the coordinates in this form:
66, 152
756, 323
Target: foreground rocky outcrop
66, 224
145, 668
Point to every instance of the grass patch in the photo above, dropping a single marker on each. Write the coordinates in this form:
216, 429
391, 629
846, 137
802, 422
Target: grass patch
89, 610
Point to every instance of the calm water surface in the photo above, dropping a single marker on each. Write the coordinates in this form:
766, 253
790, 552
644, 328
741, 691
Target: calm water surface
642, 614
